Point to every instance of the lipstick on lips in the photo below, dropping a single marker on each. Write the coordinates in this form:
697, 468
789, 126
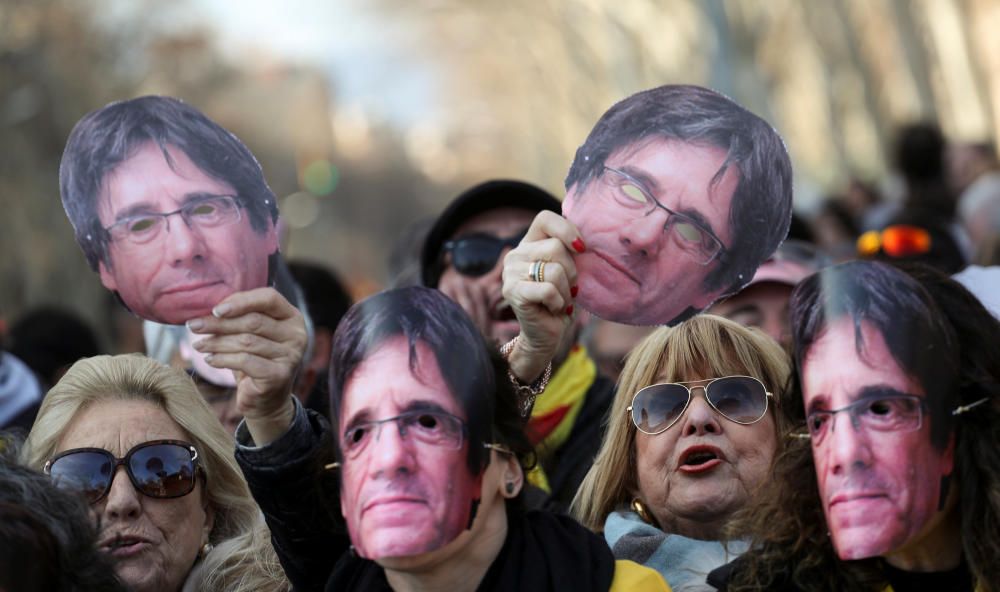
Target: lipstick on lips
699, 459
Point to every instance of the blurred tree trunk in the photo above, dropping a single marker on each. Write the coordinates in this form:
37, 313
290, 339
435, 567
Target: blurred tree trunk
915, 52
873, 111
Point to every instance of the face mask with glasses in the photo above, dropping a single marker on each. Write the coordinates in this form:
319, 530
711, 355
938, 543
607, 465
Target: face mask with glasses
432, 428
210, 211
435, 428
891, 413
693, 236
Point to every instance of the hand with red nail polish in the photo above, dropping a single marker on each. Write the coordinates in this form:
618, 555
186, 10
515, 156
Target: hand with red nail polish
573, 291
578, 245
542, 299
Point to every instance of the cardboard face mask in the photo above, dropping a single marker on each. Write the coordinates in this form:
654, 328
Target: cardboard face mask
876, 407
406, 487
679, 194
170, 209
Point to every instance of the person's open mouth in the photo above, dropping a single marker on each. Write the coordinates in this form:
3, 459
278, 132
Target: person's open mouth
699, 459
502, 312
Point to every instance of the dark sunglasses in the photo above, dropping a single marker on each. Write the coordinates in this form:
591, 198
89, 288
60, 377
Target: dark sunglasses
740, 399
158, 468
476, 254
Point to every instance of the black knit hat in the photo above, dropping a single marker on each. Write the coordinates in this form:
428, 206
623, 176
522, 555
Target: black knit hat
484, 197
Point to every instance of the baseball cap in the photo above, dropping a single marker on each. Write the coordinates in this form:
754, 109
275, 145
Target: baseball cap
793, 262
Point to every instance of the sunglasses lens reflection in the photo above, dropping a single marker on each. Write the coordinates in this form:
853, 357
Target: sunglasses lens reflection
86, 472
163, 470
657, 406
159, 470
739, 398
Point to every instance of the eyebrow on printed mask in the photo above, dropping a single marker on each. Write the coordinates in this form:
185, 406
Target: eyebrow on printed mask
651, 187
364, 416
145, 209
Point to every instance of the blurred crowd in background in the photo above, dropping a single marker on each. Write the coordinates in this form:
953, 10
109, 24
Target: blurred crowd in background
368, 116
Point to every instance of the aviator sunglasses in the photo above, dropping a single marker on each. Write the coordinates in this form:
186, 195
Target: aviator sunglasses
740, 399
476, 254
158, 468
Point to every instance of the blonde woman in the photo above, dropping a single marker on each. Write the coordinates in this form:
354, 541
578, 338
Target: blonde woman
136, 439
691, 435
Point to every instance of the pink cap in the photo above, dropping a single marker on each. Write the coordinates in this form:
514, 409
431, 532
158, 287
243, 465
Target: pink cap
781, 271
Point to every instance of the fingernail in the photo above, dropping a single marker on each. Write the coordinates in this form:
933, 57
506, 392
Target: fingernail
208, 358
195, 324
578, 245
197, 344
574, 290
221, 310
569, 310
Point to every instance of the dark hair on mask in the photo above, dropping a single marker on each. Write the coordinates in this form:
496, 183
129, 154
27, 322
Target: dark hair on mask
760, 212
474, 372
914, 328
105, 138
789, 540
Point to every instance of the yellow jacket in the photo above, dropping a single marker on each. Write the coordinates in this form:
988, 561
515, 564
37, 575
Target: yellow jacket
632, 577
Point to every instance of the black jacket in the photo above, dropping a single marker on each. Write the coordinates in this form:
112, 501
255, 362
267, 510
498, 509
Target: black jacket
298, 497
543, 551
954, 580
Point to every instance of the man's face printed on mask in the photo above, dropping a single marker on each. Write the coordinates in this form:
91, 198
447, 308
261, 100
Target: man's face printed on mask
879, 474
406, 487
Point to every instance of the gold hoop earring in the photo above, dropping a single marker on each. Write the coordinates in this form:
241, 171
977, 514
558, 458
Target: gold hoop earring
639, 508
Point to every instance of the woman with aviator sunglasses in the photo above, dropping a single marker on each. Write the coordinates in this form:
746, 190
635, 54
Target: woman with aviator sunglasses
178, 514
691, 435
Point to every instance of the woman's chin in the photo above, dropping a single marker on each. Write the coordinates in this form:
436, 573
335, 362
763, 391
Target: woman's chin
138, 576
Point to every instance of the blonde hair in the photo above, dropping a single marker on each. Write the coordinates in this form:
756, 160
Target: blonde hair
242, 552
705, 346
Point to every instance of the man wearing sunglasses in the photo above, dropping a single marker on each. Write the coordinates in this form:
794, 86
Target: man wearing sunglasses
169, 208
463, 256
679, 194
